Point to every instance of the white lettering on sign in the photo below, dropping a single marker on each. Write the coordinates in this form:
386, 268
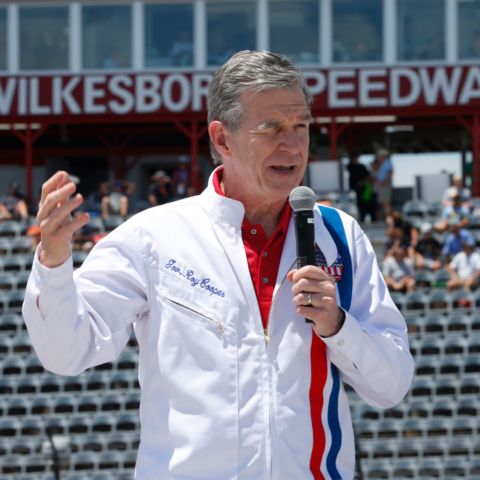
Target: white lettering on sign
147, 89
371, 82
184, 89
409, 76
124, 102
341, 82
63, 94
471, 88
439, 85
6, 95
35, 107
94, 93
317, 82
149, 93
200, 84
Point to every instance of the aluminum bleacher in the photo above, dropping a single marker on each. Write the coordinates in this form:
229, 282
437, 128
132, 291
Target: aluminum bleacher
93, 417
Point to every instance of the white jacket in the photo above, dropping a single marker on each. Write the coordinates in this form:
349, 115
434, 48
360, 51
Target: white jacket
218, 401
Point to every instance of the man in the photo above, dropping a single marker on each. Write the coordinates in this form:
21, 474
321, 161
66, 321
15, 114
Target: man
235, 383
464, 267
398, 269
159, 191
383, 180
456, 237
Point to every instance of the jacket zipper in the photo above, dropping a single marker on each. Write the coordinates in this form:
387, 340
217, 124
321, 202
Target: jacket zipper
266, 330
218, 324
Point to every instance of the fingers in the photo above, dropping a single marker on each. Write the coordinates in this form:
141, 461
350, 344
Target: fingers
53, 183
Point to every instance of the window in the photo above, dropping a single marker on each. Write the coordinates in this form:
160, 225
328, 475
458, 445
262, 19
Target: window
231, 26
357, 31
169, 35
44, 38
299, 20
469, 29
3, 38
421, 30
107, 36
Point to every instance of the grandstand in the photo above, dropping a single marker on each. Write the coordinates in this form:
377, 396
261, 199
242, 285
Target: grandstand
87, 426
58, 109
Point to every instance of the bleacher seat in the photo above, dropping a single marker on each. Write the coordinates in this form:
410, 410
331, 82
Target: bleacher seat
103, 423
33, 427
416, 301
379, 469
447, 386
10, 229
65, 404
435, 323
451, 365
11, 464
429, 469
89, 403
18, 406
444, 408
458, 322
455, 468
79, 424
439, 300
35, 464
11, 323
472, 363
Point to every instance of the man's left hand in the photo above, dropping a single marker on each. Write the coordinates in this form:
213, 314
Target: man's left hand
312, 284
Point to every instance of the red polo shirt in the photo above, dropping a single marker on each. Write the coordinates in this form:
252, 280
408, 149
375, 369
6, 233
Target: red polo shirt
263, 254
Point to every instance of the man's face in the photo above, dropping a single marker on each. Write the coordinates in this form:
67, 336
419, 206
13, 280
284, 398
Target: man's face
268, 154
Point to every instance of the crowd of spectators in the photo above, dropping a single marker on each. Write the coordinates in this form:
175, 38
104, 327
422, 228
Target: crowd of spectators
111, 203
447, 243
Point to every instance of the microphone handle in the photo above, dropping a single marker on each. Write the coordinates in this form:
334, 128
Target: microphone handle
305, 236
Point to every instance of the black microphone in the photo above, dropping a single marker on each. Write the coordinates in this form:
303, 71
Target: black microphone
302, 200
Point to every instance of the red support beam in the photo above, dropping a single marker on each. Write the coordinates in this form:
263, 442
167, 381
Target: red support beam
194, 134
474, 129
28, 138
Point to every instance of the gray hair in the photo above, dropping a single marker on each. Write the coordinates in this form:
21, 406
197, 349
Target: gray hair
249, 71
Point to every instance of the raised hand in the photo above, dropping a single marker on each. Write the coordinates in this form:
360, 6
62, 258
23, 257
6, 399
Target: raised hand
55, 219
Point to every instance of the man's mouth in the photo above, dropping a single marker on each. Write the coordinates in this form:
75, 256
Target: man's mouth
282, 168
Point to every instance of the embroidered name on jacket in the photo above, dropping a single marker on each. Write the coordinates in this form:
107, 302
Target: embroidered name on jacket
335, 269
193, 279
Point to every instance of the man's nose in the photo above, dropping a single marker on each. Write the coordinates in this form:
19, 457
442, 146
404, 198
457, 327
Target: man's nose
291, 141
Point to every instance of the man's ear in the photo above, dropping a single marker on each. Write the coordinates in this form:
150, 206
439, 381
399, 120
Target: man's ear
219, 138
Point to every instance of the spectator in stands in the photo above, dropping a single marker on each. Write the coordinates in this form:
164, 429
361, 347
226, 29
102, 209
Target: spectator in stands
118, 198
400, 230
457, 188
181, 178
361, 182
455, 239
398, 269
383, 181
228, 368
13, 204
159, 191
428, 250
464, 267
456, 213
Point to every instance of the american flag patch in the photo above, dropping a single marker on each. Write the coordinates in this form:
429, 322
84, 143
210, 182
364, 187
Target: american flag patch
335, 269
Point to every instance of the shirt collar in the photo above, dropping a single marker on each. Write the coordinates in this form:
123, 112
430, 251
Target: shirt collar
284, 216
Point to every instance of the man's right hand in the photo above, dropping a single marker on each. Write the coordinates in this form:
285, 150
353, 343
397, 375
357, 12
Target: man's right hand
54, 218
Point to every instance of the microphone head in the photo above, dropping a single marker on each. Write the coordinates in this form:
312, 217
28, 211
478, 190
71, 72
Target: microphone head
302, 198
